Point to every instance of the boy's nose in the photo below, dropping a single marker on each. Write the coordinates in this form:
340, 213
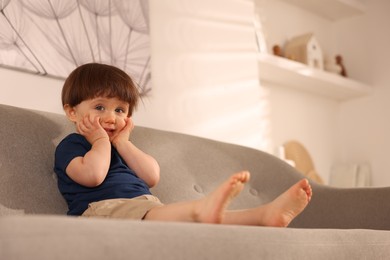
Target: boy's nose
109, 117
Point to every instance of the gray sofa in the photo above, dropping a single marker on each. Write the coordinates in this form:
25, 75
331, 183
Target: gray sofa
338, 223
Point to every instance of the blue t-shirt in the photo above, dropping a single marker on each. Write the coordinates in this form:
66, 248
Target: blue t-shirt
120, 182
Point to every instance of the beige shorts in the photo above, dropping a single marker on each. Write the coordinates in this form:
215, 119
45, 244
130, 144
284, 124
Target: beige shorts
135, 208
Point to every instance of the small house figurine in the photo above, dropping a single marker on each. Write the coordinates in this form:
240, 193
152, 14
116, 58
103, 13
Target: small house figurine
305, 49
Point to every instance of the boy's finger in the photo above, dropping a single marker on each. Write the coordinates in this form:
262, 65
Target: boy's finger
97, 121
81, 127
130, 123
127, 124
91, 119
85, 121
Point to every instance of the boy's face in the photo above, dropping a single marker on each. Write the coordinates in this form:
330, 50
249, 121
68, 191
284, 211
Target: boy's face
112, 113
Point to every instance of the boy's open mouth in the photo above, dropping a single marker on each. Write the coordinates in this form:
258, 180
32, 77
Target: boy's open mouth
110, 132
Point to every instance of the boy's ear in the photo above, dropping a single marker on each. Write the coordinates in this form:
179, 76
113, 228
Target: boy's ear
70, 112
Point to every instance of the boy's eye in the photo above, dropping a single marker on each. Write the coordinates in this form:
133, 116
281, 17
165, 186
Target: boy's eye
100, 108
120, 110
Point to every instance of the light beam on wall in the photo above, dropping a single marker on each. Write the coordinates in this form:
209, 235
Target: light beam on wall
205, 71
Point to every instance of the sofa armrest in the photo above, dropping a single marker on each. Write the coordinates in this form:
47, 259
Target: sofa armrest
360, 208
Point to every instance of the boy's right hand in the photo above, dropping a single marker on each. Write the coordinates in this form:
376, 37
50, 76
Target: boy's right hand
91, 129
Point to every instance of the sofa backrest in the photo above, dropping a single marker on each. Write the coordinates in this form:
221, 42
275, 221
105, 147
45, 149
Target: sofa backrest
190, 166
27, 181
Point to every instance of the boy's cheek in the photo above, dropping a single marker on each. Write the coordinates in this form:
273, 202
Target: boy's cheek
121, 123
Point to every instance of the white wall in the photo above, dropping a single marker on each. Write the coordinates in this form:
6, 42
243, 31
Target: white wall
307, 118
364, 123
27, 90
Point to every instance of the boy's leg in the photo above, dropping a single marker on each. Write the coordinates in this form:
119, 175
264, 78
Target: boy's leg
279, 213
209, 209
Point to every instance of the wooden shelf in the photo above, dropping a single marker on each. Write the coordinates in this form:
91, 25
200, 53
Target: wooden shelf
331, 9
296, 75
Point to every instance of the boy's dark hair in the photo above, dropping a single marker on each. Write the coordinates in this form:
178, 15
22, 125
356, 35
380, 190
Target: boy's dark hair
99, 80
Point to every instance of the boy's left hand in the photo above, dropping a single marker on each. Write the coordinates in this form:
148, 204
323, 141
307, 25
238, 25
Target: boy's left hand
124, 134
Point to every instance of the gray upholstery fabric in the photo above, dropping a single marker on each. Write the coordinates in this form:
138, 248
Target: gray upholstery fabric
60, 238
190, 167
27, 180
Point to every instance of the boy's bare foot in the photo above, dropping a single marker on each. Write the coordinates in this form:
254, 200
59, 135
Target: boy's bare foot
212, 208
281, 211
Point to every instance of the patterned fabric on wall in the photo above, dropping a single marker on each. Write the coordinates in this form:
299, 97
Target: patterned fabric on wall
52, 37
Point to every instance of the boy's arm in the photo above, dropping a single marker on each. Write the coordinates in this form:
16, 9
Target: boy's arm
92, 169
144, 165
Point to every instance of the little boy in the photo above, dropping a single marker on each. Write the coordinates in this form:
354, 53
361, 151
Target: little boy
103, 174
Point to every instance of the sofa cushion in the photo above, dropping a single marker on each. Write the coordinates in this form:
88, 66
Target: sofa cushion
48, 237
4, 211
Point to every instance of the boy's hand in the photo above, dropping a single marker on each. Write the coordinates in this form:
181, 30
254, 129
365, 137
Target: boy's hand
91, 129
124, 134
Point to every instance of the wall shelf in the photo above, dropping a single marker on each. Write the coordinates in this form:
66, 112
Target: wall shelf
331, 9
287, 73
